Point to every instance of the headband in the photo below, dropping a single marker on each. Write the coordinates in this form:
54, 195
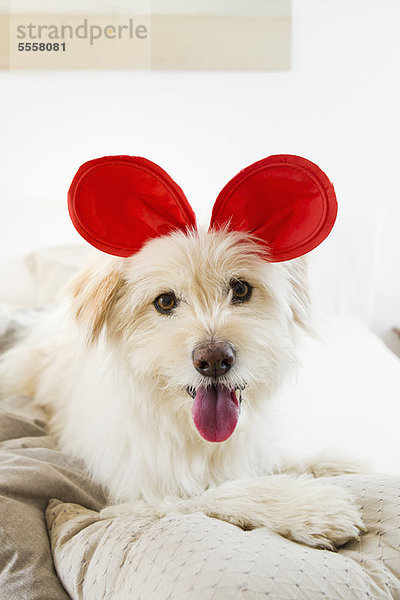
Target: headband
118, 203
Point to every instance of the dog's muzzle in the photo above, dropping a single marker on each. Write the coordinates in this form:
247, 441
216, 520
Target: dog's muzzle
216, 402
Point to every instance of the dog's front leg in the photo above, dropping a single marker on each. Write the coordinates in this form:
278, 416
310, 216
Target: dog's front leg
300, 509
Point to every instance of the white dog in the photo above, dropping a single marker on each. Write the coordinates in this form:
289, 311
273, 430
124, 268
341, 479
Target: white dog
161, 377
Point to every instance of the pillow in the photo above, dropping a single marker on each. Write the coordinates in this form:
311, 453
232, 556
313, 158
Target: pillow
194, 556
52, 267
347, 395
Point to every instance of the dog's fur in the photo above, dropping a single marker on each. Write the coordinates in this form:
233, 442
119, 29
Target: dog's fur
114, 375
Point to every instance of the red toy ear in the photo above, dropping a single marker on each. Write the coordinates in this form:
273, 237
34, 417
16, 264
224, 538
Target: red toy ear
284, 200
117, 203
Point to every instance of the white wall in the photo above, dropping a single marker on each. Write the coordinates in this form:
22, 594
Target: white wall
338, 106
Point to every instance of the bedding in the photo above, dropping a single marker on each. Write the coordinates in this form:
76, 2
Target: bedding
32, 470
194, 557
347, 395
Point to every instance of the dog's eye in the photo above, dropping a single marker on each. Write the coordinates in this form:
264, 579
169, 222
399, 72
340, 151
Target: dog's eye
165, 303
241, 291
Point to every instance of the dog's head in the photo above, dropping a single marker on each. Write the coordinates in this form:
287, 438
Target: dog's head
209, 318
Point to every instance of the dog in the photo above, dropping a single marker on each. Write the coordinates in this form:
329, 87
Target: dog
162, 372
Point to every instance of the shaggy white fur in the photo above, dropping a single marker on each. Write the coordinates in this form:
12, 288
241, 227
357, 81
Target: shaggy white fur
113, 372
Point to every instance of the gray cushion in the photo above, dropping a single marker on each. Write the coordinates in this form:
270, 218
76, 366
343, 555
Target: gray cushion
32, 470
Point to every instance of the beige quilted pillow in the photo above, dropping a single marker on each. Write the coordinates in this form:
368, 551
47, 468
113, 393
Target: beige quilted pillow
196, 557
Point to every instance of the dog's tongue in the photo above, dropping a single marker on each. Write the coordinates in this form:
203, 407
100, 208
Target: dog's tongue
215, 413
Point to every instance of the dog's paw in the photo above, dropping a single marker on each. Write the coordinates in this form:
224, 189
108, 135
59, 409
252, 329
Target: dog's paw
328, 518
328, 463
334, 462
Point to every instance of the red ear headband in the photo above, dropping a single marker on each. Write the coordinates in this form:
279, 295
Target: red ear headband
117, 203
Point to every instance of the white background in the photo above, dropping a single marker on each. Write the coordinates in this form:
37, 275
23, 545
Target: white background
338, 106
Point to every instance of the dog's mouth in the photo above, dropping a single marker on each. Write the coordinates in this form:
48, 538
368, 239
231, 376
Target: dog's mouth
216, 410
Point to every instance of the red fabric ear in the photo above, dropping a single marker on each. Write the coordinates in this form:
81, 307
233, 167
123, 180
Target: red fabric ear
284, 200
117, 203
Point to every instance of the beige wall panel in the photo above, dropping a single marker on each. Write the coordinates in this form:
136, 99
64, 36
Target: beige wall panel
159, 42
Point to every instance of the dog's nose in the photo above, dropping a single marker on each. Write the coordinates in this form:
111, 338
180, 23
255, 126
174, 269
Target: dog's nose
213, 359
